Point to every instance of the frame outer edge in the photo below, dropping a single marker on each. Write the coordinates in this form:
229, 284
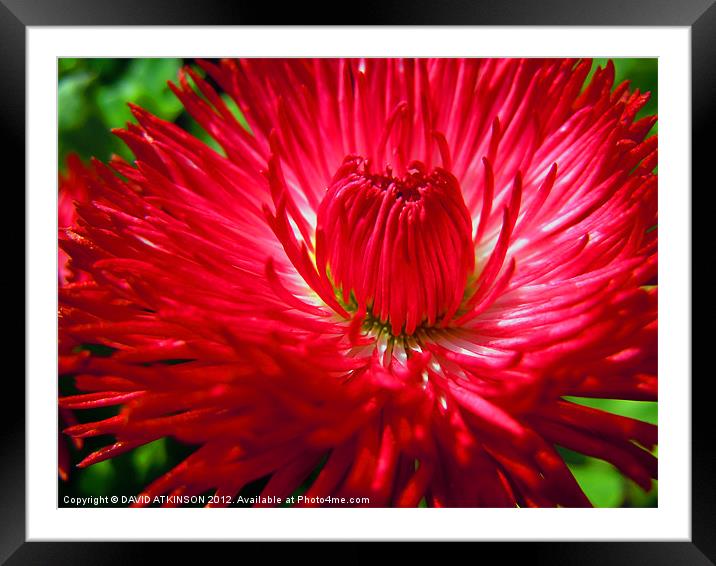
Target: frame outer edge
703, 123
12, 99
370, 12
12, 415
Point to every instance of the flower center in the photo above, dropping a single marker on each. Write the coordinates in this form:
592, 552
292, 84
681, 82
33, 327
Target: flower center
399, 249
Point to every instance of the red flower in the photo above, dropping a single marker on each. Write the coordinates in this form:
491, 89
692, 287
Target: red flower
394, 275
71, 189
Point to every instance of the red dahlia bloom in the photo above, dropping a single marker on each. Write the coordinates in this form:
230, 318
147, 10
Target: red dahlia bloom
71, 189
393, 277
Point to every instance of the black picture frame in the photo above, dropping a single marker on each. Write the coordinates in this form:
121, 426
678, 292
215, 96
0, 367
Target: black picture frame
17, 15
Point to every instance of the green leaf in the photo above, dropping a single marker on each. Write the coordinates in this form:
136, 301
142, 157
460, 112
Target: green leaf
143, 83
637, 497
149, 459
149, 78
104, 68
72, 107
97, 479
601, 482
570, 456
66, 64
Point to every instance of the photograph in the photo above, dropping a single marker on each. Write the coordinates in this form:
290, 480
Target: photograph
357, 282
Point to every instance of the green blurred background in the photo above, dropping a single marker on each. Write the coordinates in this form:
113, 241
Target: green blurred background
92, 99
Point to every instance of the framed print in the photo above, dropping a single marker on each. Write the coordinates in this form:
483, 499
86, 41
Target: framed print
394, 281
